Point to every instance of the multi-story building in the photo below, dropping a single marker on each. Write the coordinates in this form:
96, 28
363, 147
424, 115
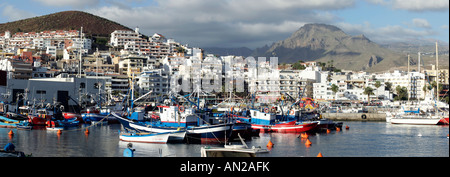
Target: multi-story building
132, 65
119, 38
17, 69
154, 80
43, 39
413, 81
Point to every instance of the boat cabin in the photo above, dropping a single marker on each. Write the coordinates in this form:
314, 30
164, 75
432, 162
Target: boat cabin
176, 116
262, 117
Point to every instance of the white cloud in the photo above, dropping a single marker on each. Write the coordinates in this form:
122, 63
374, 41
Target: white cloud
414, 5
227, 23
421, 23
15, 14
70, 3
421, 5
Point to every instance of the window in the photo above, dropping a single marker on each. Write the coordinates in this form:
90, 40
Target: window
41, 92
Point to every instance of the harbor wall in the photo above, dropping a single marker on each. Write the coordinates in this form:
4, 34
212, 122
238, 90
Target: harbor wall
355, 116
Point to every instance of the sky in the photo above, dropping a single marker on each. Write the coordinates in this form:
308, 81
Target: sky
254, 23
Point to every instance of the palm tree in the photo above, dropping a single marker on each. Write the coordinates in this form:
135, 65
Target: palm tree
388, 86
335, 89
378, 85
368, 91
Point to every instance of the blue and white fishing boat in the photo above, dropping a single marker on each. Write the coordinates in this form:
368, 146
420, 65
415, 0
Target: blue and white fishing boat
160, 138
93, 115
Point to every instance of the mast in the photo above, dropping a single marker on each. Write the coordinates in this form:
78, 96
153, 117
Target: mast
437, 76
418, 65
79, 52
409, 80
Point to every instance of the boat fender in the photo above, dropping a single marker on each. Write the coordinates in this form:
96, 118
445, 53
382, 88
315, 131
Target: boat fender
292, 112
364, 117
181, 108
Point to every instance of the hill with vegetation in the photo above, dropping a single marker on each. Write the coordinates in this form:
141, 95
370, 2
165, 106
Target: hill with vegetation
68, 20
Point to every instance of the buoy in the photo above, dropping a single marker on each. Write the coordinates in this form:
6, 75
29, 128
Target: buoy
338, 129
59, 132
328, 131
320, 155
86, 132
10, 133
270, 144
347, 127
308, 143
304, 136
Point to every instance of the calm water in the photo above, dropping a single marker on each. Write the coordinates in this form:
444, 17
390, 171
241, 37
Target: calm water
364, 139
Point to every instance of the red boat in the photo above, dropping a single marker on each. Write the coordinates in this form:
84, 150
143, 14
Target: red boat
37, 121
289, 127
443, 121
70, 115
41, 118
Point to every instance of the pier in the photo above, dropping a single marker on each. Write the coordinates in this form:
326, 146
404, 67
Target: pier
355, 116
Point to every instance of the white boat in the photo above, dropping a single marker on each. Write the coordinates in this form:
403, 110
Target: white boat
232, 150
55, 128
160, 138
416, 119
432, 114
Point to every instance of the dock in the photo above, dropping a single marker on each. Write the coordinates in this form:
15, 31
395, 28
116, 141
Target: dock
355, 116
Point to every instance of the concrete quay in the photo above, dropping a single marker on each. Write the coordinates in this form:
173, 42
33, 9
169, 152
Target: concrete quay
355, 116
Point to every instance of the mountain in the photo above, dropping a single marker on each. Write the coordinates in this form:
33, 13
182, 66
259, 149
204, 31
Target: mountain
321, 42
68, 20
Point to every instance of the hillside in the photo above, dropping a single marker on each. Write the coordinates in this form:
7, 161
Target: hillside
67, 20
320, 42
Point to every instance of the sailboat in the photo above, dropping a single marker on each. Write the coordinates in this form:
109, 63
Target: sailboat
424, 118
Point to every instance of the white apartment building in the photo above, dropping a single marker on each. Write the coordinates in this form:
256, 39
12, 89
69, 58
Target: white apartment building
414, 82
351, 86
121, 37
154, 80
41, 40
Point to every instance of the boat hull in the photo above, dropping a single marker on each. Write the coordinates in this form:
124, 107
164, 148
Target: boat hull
210, 134
90, 117
443, 121
415, 121
286, 128
37, 121
176, 132
158, 138
69, 115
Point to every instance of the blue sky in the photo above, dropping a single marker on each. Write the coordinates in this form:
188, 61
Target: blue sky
254, 23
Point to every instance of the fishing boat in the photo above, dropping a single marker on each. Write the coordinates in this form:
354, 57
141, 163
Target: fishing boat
92, 115
8, 123
267, 122
40, 119
135, 122
71, 115
207, 134
159, 138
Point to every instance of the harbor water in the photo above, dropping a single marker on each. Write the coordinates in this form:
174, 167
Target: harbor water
363, 139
